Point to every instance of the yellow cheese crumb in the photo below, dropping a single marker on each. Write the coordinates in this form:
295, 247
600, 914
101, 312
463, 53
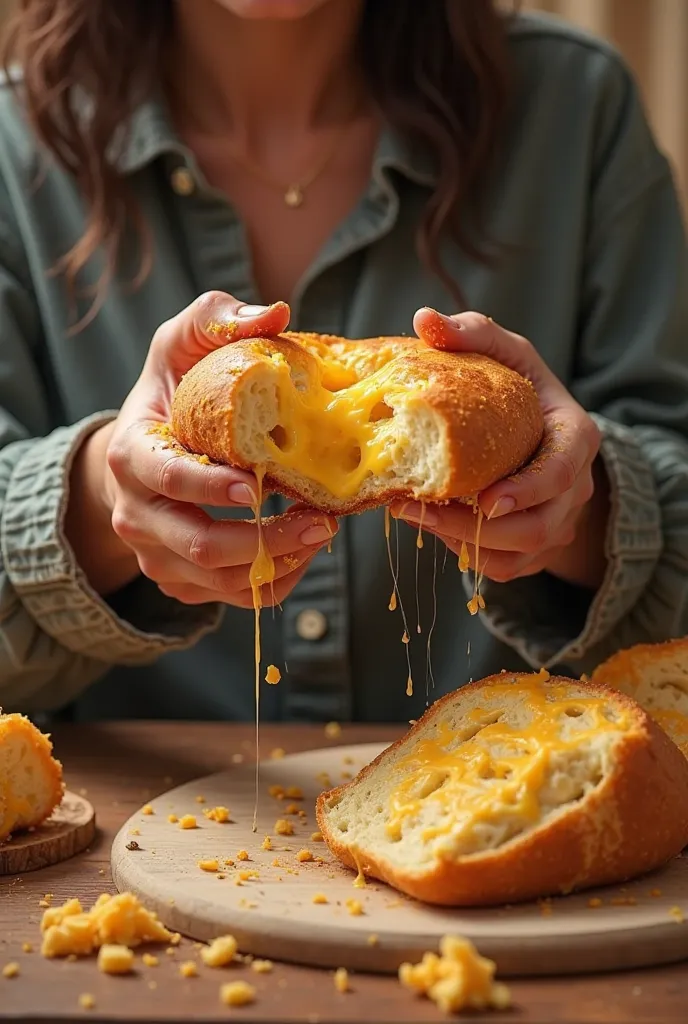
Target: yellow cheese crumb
200, 799
320, 897
655, 892
237, 993
304, 855
293, 793
292, 809
209, 865
27, 947
220, 952
187, 821
220, 814
135, 832
277, 754
171, 951
278, 792
333, 730
317, 837
324, 779
341, 979
86, 1001
243, 855
348, 760
262, 966
11, 970
175, 939
172, 818
113, 920
115, 959
43, 904
456, 979
149, 960
284, 827
188, 969
354, 907
272, 675
267, 843
246, 875
147, 809
677, 914
595, 902
372, 940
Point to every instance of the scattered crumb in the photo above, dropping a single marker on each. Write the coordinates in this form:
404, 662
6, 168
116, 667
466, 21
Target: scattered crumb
11, 970
176, 939
276, 863
346, 775
655, 892
200, 799
229, 862
272, 675
324, 779
316, 837
267, 843
209, 865
284, 827
545, 907
149, 960
333, 730
348, 760
292, 809
220, 814
237, 993
220, 952
27, 947
188, 969
171, 951
459, 978
677, 914
373, 940
187, 821
293, 793
237, 758
277, 754
246, 875
147, 809
262, 966
115, 959
278, 792
595, 902
623, 901
86, 1001
135, 832
172, 818
304, 855
355, 907
341, 979
242, 855
320, 897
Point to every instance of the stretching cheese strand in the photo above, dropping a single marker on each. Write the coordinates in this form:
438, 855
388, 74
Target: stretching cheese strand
397, 596
262, 572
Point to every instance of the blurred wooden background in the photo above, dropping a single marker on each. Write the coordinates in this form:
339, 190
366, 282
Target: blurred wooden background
653, 35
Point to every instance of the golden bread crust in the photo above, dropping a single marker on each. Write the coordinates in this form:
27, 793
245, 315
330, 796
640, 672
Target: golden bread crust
635, 820
17, 814
491, 414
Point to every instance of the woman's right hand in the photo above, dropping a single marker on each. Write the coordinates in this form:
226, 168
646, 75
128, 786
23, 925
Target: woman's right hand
147, 495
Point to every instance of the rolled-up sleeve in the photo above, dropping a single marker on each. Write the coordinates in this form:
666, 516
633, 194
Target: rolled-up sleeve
631, 373
56, 634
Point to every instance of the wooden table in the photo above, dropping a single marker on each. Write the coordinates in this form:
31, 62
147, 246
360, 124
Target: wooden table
120, 766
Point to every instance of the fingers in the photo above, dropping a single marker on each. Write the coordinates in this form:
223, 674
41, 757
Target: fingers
190, 593
145, 458
213, 320
192, 534
563, 462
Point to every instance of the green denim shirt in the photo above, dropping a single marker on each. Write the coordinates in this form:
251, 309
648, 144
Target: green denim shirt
594, 276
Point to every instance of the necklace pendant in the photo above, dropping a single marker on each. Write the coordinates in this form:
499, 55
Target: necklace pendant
293, 197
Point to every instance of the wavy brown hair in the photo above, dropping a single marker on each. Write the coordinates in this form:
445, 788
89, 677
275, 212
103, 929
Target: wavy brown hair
437, 70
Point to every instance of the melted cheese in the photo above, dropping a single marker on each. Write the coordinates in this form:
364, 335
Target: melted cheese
471, 783
457, 979
337, 431
395, 593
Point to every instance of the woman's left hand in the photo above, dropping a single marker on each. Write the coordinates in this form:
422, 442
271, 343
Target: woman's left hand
552, 514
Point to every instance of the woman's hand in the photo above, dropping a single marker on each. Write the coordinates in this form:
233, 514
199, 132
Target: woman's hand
552, 514
146, 495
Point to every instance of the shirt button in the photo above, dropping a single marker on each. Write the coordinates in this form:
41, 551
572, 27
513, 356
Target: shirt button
182, 181
311, 624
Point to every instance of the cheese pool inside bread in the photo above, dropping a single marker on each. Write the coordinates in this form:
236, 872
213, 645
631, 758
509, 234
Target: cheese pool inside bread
514, 787
346, 425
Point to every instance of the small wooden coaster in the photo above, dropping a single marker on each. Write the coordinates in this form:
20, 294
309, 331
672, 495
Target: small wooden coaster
67, 832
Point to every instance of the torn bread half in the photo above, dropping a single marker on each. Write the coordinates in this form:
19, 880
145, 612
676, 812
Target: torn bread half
31, 783
349, 425
656, 676
512, 788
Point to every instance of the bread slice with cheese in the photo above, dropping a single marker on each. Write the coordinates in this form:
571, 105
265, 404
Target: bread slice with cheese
348, 425
511, 788
31, 784
656, 676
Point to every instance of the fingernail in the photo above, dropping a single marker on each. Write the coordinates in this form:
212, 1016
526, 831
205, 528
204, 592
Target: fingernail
241, 494
249, 311
418, 514
317, 534
502, 507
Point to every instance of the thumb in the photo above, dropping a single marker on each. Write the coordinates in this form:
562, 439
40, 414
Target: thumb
211, 321
473, 332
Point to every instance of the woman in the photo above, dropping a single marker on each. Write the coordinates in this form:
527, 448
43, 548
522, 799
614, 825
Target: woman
370, 161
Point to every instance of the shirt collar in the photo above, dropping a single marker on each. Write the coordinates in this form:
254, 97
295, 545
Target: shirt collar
151, 135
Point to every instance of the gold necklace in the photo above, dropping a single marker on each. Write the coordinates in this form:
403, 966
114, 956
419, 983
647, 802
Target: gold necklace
294, 193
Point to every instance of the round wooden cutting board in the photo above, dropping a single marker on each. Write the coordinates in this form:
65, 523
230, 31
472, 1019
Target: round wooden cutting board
68, 831
273, 914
